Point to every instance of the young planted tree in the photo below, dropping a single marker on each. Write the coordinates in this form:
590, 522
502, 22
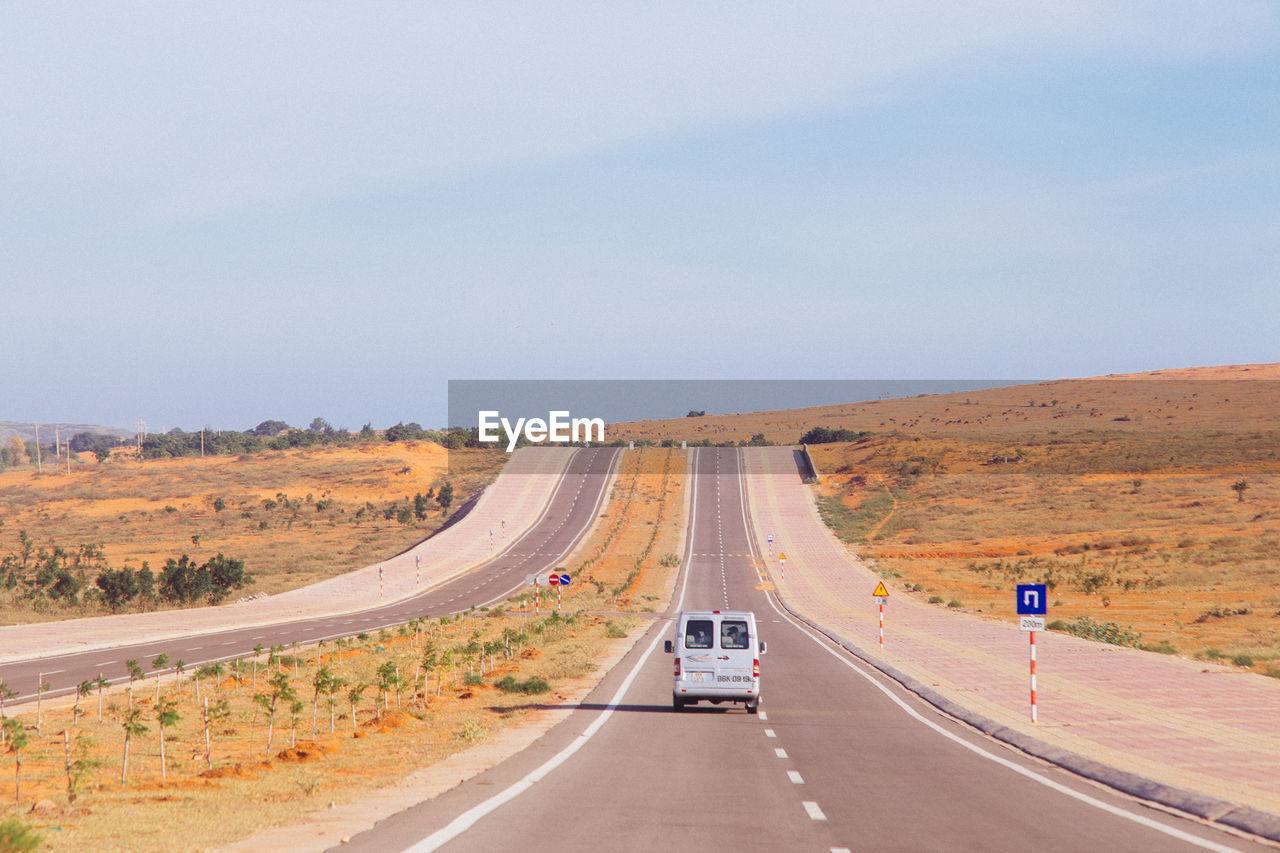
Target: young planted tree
80, 766
158, 664
1239, 487
388, 677
6, 692
85, 688
166, 715
133, 727
295, 711
279, 689
448, 659
321, 683
354, 695
179, 668
100, 683
335, 684
18, 739
41, 687
216, 713
135, 673
430, 661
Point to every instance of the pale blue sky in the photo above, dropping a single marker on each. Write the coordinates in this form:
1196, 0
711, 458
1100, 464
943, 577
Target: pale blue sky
218, 215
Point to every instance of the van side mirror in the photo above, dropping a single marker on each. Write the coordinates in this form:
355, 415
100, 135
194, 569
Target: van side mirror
667, 647
764, 647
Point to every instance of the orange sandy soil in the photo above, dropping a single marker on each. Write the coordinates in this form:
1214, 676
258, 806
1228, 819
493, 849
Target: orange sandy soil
1116, 490
615, 583
249, 788
328, 516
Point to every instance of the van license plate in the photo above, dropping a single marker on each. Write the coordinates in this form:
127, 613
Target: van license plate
699, 676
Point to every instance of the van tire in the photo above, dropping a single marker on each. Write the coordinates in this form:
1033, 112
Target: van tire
677, 704
753, 707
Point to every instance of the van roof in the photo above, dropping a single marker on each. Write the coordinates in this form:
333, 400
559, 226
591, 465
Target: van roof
737, 614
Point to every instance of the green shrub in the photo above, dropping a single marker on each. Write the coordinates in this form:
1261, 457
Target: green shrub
935, 599
17, 837
536, 684
1103, 632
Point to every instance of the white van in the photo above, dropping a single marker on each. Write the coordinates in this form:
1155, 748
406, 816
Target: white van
717, 658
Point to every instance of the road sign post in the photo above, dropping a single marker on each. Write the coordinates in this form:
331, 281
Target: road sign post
881, 596
770, 544
782, 561
1032, 603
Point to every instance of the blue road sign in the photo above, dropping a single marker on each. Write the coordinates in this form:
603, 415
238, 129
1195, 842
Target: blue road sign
564, 580
1032, 599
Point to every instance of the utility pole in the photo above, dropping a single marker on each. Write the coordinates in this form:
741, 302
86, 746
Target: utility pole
39, 463
142, 431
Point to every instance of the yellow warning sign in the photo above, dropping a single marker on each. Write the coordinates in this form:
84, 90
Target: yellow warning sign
782, 557
881, 592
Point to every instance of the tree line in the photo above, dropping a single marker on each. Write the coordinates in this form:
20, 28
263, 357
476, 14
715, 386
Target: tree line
81, 576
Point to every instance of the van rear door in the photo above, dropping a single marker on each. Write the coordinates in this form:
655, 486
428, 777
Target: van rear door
735, 653
699, 652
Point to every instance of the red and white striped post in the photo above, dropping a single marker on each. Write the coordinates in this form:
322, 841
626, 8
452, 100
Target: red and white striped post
537, 598
379, 581
557, 598
417, 580
782, 561
1033, 676
881, 596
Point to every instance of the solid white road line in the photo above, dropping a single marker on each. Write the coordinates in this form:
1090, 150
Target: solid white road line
815, 813
468, 818
1004, 762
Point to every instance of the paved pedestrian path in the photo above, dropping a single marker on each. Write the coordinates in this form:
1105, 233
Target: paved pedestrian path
518, 497
1207, 736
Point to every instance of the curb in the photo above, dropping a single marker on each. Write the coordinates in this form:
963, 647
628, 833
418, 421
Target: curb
1211, 809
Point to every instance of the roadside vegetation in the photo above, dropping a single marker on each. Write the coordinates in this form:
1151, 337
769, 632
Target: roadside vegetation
126, 535
1144, 537
288, 730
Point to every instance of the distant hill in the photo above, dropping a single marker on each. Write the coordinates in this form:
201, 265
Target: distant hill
27, 431
1229, 397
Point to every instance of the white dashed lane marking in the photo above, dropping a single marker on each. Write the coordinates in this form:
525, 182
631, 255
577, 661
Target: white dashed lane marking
794, 776
815, 813
781, 753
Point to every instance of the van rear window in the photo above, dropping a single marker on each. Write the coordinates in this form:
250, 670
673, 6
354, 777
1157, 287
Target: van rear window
733, 634
698, 634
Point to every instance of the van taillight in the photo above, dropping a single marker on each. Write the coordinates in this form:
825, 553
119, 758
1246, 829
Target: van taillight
677, 672
755, 667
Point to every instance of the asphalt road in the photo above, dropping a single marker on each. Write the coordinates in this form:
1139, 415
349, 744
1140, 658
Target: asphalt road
574, 505
838, 758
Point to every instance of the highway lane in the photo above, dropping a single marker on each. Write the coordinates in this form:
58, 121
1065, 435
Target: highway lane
576, 502
838, 758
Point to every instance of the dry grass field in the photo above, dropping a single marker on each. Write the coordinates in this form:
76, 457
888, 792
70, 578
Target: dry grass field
294, 516
619, 574
1118, 492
